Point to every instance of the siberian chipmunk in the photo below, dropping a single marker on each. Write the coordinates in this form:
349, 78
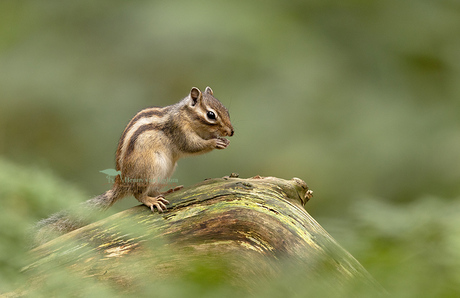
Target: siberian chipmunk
156, 138
150, 146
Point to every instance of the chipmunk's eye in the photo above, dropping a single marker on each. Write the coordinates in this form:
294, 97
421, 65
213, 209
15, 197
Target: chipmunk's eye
211, 115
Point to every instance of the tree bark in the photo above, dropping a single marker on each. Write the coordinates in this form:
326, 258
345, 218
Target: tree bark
247, 231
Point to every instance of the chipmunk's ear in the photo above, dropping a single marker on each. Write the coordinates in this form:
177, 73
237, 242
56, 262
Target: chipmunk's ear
195, 95
208, 90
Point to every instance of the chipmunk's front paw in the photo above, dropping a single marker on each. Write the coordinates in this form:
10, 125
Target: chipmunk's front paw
222, 143
159, 201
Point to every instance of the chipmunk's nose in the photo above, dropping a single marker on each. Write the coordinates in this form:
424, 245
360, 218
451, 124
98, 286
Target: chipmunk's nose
231, 132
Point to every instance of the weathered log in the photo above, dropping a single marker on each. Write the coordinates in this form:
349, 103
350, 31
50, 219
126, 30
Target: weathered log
248, 231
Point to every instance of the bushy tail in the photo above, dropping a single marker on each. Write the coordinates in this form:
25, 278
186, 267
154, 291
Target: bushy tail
103, 201
66, 221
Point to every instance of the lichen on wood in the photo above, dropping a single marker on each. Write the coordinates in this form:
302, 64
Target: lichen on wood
250, 229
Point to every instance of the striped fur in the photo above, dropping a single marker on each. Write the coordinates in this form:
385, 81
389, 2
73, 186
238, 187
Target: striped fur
156, 138
148, 151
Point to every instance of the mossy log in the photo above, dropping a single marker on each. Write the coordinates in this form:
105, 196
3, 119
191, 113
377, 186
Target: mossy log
243, 230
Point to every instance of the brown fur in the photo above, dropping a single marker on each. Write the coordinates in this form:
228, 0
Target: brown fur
149, 148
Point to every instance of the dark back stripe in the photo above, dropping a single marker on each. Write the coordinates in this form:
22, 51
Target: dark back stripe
148, 112
138, 132
143, 114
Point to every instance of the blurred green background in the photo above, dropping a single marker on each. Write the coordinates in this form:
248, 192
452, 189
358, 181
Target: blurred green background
361, 99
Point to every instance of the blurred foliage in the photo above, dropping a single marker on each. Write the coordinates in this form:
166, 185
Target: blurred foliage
358, 98
28, 194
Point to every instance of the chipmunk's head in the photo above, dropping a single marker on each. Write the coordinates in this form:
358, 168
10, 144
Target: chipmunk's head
210, 118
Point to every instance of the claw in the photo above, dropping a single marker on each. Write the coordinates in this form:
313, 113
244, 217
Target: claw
222, 143
159, 202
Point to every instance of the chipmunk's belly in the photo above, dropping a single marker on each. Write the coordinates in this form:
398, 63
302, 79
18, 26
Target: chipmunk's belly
161, 170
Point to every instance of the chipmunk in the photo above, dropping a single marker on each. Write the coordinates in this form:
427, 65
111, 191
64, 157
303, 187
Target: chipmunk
150, 146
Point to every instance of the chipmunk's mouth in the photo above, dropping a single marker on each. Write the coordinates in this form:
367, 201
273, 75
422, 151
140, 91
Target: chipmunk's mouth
227, 133
221, 135
213, 136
